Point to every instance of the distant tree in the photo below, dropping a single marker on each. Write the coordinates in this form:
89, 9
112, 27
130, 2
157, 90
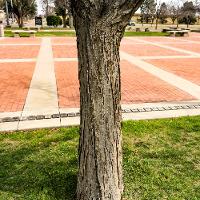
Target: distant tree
1, 5
62, 9
48, 7
163, 13
188, 13
148, 9
197, 6
172, 13
23, 9
188, 20
174, 9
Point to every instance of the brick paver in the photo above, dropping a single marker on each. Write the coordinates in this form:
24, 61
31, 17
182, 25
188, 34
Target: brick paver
64, 51
186, 68
148, 50
188, 46
61, 40
16, 52
21, 41
139, 86
14, 84
67, 84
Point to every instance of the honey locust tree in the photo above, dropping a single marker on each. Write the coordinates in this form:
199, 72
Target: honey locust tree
100, 25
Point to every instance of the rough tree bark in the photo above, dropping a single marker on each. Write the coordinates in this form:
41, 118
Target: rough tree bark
64, 21
20, 21
100, 25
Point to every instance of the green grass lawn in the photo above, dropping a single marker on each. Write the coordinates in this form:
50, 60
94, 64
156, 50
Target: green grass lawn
8, 33
145, 34
44, 34
161, 160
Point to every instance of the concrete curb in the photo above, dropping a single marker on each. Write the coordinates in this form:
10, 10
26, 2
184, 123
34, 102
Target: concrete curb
70, 117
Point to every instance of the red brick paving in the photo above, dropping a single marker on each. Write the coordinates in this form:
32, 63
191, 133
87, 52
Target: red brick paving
67, 84
64, 51
17, 52
15, 79
148, 50
61, 40
186, 68
188, 46
20, 41
138, 86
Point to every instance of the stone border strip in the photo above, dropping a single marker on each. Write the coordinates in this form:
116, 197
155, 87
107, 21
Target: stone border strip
77, 114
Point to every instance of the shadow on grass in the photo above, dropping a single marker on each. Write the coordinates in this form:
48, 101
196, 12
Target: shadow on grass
38, 171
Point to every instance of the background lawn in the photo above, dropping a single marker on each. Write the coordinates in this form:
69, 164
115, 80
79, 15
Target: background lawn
8, 33
161, 161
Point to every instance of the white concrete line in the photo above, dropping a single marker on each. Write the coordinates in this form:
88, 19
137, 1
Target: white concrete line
17, 60
42, 94
165, 57
159, 104
65, 59
35, 124
160, 114
168, 77
171, 48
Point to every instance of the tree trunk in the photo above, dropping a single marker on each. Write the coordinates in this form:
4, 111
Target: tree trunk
20, 21
100, 26
156, 23
71, 23
100, 151
64, 21
177, 23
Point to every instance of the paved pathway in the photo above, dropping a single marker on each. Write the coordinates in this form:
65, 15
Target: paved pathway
39, 85
42, 93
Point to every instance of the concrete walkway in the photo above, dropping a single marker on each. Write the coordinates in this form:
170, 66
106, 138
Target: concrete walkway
42, 95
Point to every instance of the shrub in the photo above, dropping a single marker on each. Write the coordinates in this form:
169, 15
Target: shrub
53, 20
188, 20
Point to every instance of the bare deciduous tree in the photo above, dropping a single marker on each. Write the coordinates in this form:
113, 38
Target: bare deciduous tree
48, 7
148, 9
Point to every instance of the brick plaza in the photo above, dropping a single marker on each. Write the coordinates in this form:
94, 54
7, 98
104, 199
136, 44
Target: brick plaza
42, 73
